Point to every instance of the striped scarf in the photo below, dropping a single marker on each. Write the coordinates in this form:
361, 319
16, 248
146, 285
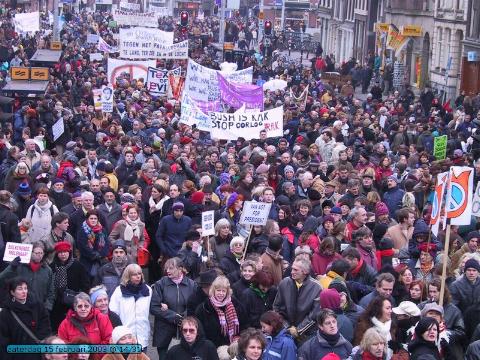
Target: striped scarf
227, 315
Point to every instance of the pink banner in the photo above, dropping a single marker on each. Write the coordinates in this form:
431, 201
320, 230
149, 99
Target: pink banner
237, 95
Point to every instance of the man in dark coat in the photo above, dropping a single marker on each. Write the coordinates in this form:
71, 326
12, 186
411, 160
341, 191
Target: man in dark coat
110, 274
360, 271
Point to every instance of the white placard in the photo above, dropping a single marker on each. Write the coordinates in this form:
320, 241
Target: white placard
201, 83
58, 129
208, 223
96, 57
255, 213
160, 10
145, 43
191, 114
149, 19
476, 202
157, 81
12, 250
227, 126
27, 22
136, 69
92, 39
107, 99
129, 6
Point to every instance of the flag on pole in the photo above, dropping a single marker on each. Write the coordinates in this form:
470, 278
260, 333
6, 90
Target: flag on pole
437, 201
460, 195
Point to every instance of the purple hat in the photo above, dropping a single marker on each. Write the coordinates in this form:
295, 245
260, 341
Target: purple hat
178, 206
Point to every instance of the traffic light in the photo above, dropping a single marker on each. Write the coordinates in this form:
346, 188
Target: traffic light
184, 18
268, 27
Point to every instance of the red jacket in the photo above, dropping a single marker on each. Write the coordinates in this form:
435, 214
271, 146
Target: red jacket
321, 262
97, 326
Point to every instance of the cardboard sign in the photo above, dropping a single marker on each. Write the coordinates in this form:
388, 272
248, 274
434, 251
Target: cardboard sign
12, 250
92, 38
20, 73
56, 45
208, 223
58, 129
255, 213
440, 147
39, 73
107, 99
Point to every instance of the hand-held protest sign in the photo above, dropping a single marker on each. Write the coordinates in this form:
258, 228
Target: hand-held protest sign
208, 223
58, 129
255, 213
12, 250
27, 22
476, 202
440, 147
135, 18
107, 99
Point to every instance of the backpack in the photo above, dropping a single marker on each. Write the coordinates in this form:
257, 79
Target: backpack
33, 209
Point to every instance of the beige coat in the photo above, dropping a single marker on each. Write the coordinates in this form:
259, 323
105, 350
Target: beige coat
118, 233
399, 237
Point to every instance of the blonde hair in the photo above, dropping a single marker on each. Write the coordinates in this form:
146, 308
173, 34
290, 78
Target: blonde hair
127, 273
221, 282
371, 337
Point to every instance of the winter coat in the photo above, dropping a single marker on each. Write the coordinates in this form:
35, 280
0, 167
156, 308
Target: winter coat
473, 351
320, 262
9, 225
171, 234
176, 297
112, 216
297, 306
239, 287
464, 293
108, 276
399, 238
230, 267
118, 232
281, 346
78, 217
51, 239
96, 327
40, 283
41, 220
208, 317
255, 306
34, 315
419, 347
317, 347
201, 349
366, 276
393, 199
273, 265
197, 298
133, 313
91, 257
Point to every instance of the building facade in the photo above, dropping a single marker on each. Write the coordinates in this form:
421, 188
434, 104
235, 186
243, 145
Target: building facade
470, 63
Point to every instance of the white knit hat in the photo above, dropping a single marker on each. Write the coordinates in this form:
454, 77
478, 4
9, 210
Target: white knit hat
119, 332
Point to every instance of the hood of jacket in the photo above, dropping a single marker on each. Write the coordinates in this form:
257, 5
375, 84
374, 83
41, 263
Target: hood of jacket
420, 228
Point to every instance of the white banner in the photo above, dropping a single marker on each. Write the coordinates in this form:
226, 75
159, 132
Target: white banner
160, 10
157, 81
149, 19
208, 223
145, 43
255, 213
92, 39
58, 129
476, 202
248, 125
95, 57
129, 6
107, 99
191, 114
27, 22
201, 83
136, 69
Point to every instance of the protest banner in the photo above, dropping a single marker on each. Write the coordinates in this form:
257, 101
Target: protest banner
107, 99
97, 99
440, 147
126, 6
95, 57
201, 83
236, 95
103, 46
145, 43
459, 199
136, 69
13, 249
130, 18
161, 11
176, 83
208, 223
476, 202
157, 81
437, 202
255, 213
27, 22
191, 115
248, 125
58, 129
92, 39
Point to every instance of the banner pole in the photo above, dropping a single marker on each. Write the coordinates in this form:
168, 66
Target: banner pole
246, 242
445, 260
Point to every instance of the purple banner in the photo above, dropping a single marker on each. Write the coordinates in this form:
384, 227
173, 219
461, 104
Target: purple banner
237, 95
207, 106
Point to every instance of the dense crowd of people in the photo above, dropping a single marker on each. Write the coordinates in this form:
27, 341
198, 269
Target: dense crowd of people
346, 266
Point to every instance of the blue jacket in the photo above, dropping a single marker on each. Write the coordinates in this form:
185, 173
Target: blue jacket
281, 346
171, 234
317, 347
393, 199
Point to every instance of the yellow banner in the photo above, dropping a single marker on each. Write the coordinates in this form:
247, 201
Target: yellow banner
381, 27
411, 30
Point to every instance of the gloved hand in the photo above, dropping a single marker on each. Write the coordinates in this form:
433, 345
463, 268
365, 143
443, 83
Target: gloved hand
178, 319
445, 346
293, 331
395, 345
15, 262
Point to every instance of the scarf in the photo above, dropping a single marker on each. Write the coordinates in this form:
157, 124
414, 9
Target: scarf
384, 329
332, 340
137, 291
43, 209
178, 280
260, 293
35, 266
355, 271
119, 264
381, 254
147, 180
60, 273
426, 268
132, 229
367, 355
156, 206
228, 318
91, 235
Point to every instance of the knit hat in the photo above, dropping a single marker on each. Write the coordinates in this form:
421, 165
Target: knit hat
63, 246
232, 198
330, 299
224, 178
119, 244
340, 286
99, 292
407, 308
197, 197
178, 206
58, 180
423, 325
394, 178
381, 209
76, 195
24, 189
331, 356
432, 306
288, 168
336, 210
328, 218
262, 169
431, 249
472, 264
119, 332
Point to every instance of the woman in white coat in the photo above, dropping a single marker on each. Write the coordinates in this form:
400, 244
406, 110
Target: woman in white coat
131, 301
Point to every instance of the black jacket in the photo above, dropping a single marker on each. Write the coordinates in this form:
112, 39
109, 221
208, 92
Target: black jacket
197, 298
255, 306
201, 349
230, 267
366, 275
34, 315
419, 347
9, 225
208, 317
239, 287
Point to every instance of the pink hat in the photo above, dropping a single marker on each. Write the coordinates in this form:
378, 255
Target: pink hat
381, 209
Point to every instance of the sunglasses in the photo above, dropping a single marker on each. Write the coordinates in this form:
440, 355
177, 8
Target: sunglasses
191, 331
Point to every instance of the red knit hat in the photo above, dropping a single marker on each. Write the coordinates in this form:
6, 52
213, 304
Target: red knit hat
331, 356
63, 246
197, 197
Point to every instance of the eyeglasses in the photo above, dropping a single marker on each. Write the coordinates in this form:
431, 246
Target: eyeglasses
191, 331
84, 306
